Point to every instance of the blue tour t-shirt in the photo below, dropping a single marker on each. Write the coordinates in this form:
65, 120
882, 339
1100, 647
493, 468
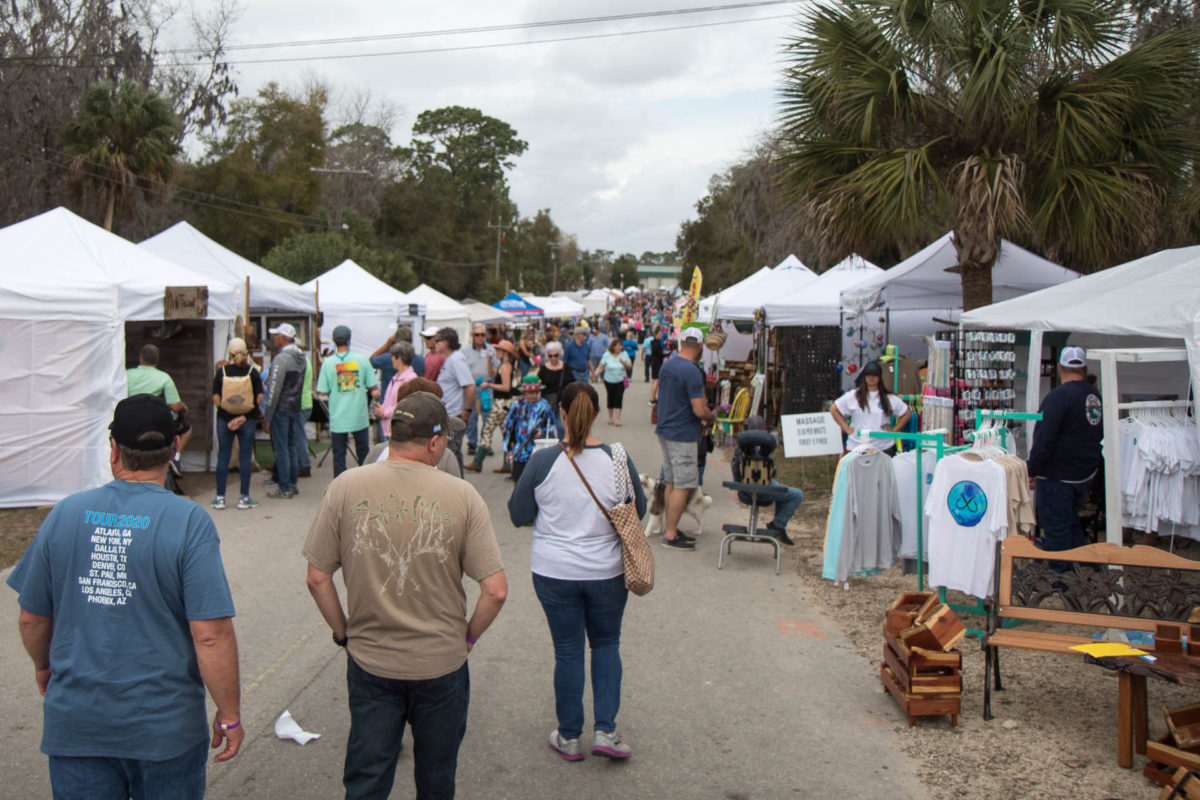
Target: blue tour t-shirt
122, 570
679, 382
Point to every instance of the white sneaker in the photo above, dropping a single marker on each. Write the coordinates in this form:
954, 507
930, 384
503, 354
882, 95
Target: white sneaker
218, 502
609, 745
569, 749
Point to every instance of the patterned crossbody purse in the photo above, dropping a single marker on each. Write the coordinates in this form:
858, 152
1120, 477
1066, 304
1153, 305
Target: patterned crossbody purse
636, 554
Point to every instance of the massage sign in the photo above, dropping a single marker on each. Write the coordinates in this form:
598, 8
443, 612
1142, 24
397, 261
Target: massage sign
106, 582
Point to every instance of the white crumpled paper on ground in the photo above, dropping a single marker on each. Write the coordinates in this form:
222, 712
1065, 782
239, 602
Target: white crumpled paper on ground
287, 728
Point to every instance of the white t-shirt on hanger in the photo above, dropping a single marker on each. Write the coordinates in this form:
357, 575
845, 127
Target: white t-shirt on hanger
967, 509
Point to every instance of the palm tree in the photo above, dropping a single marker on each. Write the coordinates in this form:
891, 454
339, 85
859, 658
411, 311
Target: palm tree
1036, 120
122, 140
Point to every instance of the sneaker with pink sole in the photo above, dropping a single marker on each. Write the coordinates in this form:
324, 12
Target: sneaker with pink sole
609, 745
569, 749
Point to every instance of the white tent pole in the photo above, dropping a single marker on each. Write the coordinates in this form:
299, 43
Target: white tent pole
1112, 447
1033, 381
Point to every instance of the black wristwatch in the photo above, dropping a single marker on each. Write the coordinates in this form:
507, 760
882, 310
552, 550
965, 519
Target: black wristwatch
340, 642
653, 402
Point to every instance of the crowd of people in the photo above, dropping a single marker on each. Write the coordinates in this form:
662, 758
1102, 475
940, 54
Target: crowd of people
135, 572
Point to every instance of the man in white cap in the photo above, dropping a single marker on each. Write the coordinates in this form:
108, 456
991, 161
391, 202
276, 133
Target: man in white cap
681, 413
282, 418
1065, 454
433, 358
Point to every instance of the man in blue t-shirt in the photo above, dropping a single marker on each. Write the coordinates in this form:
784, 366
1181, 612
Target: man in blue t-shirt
597, 346
575, 355
127, 617
681, 412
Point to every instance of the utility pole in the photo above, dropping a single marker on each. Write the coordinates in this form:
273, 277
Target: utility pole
500, 228
554, 264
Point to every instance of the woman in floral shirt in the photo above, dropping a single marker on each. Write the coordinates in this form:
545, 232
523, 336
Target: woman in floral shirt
530, 418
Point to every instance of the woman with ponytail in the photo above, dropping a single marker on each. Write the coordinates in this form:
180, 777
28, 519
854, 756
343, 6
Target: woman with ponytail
578, 574
237, 392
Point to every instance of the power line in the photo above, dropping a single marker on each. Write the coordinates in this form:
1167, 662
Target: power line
87, 63
489, 28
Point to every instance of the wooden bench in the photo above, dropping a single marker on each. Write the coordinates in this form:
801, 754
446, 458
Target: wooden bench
1105, 586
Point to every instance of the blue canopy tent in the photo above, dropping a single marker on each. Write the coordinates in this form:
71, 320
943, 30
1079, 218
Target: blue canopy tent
513, 303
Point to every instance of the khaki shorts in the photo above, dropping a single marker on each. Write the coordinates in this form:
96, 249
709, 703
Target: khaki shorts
679, 463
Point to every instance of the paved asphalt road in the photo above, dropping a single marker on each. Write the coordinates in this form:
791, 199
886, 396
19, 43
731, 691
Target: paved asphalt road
732, 687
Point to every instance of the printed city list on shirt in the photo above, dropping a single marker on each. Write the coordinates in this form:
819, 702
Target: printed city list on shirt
107, 582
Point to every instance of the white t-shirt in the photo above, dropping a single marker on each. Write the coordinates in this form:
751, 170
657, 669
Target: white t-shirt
905, 466
872, 418
967, 509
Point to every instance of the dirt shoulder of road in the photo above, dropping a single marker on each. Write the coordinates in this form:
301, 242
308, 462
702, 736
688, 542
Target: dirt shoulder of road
1054, 733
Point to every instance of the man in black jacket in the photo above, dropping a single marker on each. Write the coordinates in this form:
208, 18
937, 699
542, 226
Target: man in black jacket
1066, 452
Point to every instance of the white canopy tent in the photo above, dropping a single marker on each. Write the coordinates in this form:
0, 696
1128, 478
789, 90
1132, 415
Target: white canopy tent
557, 307
349, 295
68, 289
442, 310
819, 302
269, 292
921, 281
596, 302
707, 304
483, 314
1156, 296
789, 276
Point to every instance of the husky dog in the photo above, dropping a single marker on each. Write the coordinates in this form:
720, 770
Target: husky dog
697, 503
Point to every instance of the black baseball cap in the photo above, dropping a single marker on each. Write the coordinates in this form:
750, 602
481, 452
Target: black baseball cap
143, 422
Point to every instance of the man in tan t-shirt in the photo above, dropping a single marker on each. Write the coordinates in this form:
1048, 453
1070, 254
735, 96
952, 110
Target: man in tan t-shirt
404, 534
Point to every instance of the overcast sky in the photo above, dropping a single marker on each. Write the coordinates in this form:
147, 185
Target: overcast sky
624, 132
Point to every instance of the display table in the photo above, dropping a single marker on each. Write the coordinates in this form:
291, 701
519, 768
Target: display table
1132, 672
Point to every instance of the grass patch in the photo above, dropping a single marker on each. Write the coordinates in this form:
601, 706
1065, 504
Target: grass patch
18, 526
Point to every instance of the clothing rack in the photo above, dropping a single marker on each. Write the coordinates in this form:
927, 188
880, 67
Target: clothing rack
978, 436
935, 440
1109, 358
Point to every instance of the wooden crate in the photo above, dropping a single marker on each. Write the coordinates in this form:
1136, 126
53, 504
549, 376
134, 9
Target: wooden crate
939, 630
909, 609
1162, 759
916, 705
923, 679
1184, 724
1183, 785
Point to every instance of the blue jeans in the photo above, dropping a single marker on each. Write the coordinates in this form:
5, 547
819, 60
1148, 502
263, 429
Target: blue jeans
472, 431
302, 460
379, 709
245, 440
785, 507
575, 609
1057, 508
582, 375
98, 778
341, 442
286, 426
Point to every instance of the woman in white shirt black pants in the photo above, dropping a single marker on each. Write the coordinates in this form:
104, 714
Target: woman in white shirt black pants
577, 571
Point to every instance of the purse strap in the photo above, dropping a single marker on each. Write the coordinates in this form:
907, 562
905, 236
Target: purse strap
586, 485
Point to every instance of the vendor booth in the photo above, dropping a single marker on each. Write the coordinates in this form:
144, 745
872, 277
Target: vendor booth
743, 301
349, 295
483, 314
263, 298
1155, 296
808, 334
75, 302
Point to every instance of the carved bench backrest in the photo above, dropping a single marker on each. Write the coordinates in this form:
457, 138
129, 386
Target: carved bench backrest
1109, 586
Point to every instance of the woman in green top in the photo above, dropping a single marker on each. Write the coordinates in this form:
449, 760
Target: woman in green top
613, 366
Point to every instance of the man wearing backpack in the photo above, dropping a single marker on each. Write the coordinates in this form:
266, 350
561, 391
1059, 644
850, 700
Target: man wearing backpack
754, 454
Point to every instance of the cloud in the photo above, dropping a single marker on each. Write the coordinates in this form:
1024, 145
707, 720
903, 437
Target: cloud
624, 132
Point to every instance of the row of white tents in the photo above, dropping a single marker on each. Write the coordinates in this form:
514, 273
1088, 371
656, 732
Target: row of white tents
1153, 300
67, 293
